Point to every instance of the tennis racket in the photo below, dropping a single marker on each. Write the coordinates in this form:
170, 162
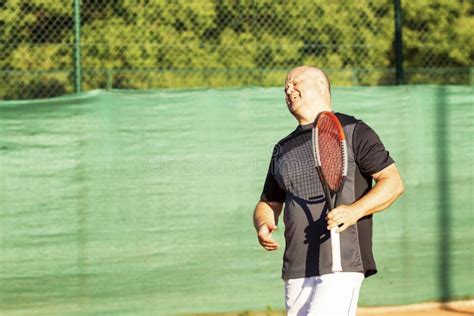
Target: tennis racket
330, 153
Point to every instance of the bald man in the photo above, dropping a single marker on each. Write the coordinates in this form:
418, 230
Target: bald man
311, 288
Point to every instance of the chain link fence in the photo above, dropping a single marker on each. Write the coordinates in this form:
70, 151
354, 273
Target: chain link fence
147, 44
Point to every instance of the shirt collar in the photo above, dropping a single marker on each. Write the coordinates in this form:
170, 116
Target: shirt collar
304, 127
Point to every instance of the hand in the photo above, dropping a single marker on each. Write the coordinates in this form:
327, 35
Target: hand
343, 214
265, 237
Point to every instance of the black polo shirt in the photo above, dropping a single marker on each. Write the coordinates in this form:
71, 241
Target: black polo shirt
292, 178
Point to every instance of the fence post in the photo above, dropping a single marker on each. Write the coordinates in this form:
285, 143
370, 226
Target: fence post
472, 76
398, 42
110, 79
355, 76
77, 77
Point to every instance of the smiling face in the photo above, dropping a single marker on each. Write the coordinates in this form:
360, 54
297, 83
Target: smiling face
307, 92
300, 89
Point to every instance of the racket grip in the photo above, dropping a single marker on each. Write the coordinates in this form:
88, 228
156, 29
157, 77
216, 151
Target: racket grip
336, 250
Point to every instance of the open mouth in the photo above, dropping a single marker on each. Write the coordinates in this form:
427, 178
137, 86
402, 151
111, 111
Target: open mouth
292, 98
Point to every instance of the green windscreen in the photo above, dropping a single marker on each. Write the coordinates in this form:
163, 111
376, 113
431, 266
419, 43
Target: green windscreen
141, 203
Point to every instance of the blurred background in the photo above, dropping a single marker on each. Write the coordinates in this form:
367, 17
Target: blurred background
49, 48
135, 136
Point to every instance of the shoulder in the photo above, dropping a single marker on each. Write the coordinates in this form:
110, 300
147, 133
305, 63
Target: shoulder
357, 126
346, 119
288, 137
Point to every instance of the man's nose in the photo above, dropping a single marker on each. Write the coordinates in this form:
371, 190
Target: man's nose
289, 89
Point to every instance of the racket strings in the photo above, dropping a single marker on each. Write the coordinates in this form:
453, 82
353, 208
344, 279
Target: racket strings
331, 152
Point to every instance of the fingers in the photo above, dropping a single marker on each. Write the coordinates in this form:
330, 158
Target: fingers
269, 245
339, 217
265, 237
333, 225
342, 228
336, 214
271, 227
343, 216
267, 242
335, 221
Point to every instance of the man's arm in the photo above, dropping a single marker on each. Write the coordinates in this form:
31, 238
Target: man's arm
387, 189
265, 219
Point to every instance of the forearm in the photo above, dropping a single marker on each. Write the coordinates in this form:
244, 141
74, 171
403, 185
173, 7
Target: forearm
266, 213
386, 190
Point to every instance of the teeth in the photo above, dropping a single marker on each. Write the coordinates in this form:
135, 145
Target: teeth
292, 97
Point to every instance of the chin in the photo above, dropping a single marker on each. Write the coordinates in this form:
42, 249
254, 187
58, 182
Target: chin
293, 107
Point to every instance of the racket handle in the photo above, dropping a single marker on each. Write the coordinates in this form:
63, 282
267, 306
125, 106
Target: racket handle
336, 251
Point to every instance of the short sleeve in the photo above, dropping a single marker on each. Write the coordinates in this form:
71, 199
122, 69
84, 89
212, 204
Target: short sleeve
369, 151
272, 192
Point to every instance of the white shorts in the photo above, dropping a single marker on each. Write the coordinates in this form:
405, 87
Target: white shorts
334, 294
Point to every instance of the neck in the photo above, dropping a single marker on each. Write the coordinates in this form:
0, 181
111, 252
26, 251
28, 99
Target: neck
310, 116
304, 121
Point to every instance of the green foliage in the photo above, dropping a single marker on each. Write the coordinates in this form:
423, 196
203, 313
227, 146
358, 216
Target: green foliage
202, 43
438, 32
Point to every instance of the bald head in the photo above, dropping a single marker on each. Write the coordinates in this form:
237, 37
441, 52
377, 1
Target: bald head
311, 73
307, 92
